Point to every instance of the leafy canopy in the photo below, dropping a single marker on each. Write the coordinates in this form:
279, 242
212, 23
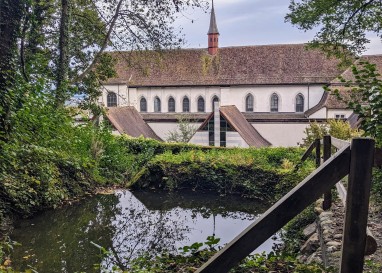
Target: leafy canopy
343, 24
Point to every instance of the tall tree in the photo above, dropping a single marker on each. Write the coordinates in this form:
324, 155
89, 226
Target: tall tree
72, 35
343, 24
10, 16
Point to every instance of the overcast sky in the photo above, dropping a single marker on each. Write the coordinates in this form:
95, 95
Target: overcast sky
249, 22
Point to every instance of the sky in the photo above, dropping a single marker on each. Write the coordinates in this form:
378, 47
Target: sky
249, 22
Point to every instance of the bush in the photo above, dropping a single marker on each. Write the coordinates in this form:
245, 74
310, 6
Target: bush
337, 128
253, 173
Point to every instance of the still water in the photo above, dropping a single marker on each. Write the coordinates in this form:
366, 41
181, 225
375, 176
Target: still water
127, 225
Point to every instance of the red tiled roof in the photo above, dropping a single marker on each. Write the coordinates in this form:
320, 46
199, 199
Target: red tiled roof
246, 65
128, 121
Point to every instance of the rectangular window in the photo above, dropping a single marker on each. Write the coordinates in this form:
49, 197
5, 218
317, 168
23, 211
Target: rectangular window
340, 116
211, 138
223, 139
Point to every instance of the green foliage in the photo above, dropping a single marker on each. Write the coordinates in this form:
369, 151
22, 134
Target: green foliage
364, 98
337, 128
184, 131
343, 24
254, 173
377, 185
256, 263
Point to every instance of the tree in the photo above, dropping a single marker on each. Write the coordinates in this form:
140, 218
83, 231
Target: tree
337, 128
10, 16
72, 36
343, 24
364, 97
184, 131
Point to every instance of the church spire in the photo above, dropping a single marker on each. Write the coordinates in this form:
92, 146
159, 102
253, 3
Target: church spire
213, 33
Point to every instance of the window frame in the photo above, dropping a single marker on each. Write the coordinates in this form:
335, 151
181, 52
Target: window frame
299, 107
186, 105
111, 99
274, 103
157, 105
248, 103
171, 105
203, 108
143, 102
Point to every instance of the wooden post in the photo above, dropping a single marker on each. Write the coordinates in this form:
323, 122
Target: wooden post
327, 154
318, 153
357, 205
301, 196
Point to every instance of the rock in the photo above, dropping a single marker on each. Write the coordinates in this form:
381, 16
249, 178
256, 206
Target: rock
314, 259
309, 230
337, 236
332, 249
326, 214
333, 243
310, 245
327, 223
318, 210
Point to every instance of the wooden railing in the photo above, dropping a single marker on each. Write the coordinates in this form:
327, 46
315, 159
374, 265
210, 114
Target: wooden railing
355, 160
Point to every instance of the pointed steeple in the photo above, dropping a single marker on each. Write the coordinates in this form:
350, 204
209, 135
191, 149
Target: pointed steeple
213, 26
213, 33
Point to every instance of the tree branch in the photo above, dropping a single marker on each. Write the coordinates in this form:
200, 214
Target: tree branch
103, 47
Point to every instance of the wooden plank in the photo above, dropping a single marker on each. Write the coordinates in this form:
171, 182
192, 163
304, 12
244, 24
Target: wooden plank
327, 203
308, 152
309, 190
339, 143
357, 205
318, 153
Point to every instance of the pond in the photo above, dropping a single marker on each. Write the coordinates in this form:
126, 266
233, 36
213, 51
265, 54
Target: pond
127, 225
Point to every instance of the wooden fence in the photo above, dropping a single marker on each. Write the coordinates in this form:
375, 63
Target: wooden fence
355, 160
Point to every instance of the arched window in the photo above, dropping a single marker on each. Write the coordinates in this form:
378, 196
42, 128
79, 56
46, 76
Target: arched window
111, 99
186, 104
201, 106
274, 103
299, 103
215, 99
171, 104
157, 106
249, 103
143, 105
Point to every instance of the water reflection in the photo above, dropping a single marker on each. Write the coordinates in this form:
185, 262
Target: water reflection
127, 225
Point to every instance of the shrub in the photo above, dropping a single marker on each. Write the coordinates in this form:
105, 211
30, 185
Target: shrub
254, 173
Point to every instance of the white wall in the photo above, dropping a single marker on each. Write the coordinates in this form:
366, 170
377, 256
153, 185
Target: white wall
282, 134
333, 112
234, 95
235, 140
162, 129
120, 90
200, 138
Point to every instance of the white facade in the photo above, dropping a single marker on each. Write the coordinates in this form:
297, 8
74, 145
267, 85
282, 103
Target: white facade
235, 95
277, 133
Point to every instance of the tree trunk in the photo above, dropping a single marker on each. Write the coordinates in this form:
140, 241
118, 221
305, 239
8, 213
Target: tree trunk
11, 12
63, 58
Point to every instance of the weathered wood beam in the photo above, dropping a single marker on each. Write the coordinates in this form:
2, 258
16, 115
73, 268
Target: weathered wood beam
310, 189
339, 143
327, 203
371, 242
357, 205
308, 152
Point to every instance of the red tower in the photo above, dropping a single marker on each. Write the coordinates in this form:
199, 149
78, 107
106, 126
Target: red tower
213, 34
